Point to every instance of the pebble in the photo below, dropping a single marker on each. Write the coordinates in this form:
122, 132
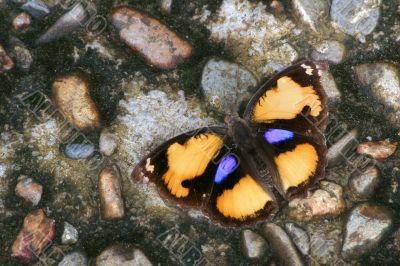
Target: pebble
277, 6
77, 151
281, 245
70, 234
166, 6
36, 9
226, 84
299, 237
382, 81
6, 63
110, 189
74, 259
22, 21
253, 245
339, 150
108, 142
71, 21
29, 190
356, 18
362, 184
71, 94
325, 245
37, 233
324, 202
154, 41
331, 51
329, 84
122, 255
379, 150
311, 13
365, 227
21, 54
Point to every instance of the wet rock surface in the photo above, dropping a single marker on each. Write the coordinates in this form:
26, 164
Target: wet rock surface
365, 228
331, 51
324, 202
71, 94
36, 235
154, 41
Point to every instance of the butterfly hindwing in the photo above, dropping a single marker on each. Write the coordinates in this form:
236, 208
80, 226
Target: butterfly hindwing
294, 95
182, 167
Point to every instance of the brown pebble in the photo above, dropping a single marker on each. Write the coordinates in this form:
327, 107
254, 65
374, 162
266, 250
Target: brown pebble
36, 235
6, 63
22, 21
71, 94
29, 190
155, 42
378, 150
112, 204
277, 6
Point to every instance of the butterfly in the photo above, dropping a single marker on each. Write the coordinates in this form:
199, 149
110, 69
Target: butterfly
240, 173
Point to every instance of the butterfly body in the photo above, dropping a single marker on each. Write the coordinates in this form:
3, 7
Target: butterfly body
239, 173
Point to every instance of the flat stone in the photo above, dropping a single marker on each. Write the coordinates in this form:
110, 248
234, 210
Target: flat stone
108, 142
365, 228
253, 245
29, 190
6, 63
78, 151
339, 150
21, 21
329, 84
325, 246
324, 202
36, 235
36, 9
74, 259
122, 255
299, 237
355, 17
71, 94
110, 190
381, 81
154, 41
70, 234
71, 21
311, 13
331, 51
362, 184
379, 150
226, 84
281, 245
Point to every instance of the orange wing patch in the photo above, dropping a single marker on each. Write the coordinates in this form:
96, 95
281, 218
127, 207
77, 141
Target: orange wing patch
297, 166
244, 200
286, 101
187, 161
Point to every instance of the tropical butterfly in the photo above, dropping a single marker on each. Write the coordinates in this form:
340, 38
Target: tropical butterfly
238, 174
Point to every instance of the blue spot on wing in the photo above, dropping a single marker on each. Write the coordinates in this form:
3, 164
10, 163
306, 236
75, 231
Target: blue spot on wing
227, 166
276, 136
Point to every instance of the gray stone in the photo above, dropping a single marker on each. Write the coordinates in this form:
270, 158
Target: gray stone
70, 234
338, 152
120, 255
325, 246
226, 84
166, 6
365, 227
108, 142
71, 21
355, 17
36, 9
299, 237
253, 245
331, 89
331, 51
78, 151
324, 202
362, 184
312, 13
21, 54
74, 259
382, 82
281, 245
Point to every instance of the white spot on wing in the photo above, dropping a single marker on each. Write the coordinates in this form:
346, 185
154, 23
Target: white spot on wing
308, 69
149, 167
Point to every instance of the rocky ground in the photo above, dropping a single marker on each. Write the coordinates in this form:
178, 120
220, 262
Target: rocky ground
90, 87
